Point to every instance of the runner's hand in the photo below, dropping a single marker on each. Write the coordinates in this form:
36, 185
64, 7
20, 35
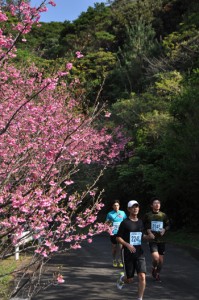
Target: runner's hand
162, 232
131, 248
151, 236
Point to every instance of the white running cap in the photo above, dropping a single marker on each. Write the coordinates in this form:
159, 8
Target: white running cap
132, 202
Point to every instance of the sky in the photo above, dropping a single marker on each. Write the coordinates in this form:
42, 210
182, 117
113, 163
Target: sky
65, 9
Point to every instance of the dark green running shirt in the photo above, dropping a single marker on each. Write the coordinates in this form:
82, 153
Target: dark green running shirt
156, 221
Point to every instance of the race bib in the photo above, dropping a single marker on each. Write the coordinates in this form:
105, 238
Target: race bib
135, 238
156, 226
115, 227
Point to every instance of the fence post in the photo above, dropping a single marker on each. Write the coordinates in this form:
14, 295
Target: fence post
25, 238
17, 252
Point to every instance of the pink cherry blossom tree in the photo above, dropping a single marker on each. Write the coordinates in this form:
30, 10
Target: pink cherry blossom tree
44, 138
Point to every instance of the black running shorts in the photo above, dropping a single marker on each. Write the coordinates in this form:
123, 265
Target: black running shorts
157, 247
133, 263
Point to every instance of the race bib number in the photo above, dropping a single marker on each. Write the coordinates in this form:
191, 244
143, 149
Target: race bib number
115, 227
156, 226
135, 238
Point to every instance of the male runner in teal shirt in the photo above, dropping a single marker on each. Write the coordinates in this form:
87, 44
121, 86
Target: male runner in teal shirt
115, 217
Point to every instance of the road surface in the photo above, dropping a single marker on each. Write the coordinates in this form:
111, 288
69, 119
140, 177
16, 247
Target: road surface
89, 275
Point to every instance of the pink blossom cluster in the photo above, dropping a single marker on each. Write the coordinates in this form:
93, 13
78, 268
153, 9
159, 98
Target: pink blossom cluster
44, 136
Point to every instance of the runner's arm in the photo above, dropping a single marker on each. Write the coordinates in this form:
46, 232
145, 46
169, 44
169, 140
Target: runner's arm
148, 236
131, 248
166, 226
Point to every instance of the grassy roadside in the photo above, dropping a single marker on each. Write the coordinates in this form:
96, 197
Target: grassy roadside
183, 238
7, 266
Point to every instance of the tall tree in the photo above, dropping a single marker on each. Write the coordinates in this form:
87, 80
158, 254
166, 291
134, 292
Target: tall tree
45, 137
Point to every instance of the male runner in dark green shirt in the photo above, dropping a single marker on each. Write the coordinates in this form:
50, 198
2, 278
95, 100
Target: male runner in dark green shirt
156, 224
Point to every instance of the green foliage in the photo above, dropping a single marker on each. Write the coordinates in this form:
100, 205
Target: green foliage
93, 70
44, 41
168, 85
182, 46
140, 43
179, 167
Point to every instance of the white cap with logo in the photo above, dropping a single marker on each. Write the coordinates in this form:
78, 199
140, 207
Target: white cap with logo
132, 202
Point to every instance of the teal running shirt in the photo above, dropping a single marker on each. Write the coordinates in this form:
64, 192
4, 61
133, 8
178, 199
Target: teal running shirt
116, 218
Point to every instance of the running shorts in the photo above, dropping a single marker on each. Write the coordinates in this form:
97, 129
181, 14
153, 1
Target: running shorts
133, 263
157, 247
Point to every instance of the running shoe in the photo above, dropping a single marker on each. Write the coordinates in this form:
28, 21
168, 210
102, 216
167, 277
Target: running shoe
153, 272
120, 282
114, 263
120, 264
157, 278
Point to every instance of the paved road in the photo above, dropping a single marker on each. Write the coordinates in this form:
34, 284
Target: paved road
89, 275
